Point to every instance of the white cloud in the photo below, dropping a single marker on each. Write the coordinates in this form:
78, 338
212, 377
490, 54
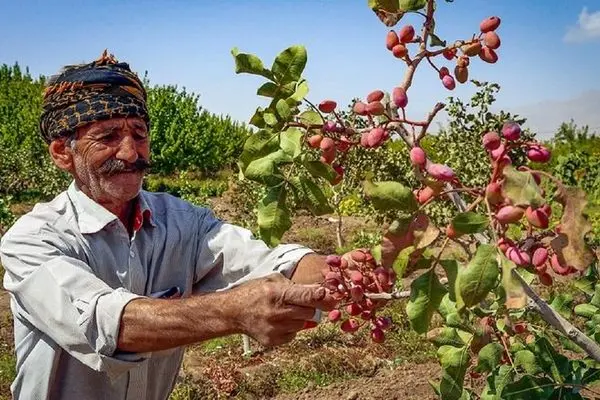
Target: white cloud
587, 28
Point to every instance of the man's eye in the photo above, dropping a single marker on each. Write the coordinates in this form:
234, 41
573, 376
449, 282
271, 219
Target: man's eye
110, 136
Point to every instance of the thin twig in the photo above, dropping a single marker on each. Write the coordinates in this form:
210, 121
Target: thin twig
404, 294
506, 349
438, 107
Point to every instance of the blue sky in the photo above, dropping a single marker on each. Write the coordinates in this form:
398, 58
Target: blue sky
550, 48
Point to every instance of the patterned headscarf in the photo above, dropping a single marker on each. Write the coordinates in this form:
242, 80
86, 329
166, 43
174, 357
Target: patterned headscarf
100, 90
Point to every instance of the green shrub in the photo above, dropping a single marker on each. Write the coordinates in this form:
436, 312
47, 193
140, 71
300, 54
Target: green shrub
7, 218
187, 186
184, 136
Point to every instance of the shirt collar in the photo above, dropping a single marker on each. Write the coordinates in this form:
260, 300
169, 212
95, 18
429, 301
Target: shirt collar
93, 217
143, 212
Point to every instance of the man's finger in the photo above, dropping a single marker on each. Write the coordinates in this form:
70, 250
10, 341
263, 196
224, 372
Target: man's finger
304, 295
293, 312
291, 326
309, 296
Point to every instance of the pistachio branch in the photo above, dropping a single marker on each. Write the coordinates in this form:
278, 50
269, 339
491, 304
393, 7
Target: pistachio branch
557, 321
436, 109
397, 295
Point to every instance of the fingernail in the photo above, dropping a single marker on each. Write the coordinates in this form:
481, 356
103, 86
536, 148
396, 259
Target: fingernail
309, 324
320, 293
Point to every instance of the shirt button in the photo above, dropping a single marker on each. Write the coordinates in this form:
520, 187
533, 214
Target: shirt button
132, 254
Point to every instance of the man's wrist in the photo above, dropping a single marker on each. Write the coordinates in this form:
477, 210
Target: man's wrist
220, 309
309, 269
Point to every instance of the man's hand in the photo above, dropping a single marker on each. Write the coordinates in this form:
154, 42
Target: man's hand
273, 309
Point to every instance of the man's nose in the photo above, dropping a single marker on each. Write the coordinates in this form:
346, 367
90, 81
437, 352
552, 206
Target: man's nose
127, 150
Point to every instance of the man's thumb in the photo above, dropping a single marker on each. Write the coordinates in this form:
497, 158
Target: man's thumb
304, 295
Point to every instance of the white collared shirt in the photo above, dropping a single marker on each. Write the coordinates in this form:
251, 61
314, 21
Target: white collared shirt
71, 267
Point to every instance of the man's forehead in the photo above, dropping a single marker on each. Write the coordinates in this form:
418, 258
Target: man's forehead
116, 123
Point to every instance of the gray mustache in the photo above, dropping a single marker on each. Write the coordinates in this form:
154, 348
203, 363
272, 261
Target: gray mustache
114, 166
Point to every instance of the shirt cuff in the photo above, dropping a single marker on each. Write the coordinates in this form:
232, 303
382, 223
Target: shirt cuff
109, 311
289, 258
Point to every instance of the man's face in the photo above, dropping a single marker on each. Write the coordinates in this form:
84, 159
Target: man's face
109, 158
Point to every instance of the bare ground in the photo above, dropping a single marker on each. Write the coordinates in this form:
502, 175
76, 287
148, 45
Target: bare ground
404, 382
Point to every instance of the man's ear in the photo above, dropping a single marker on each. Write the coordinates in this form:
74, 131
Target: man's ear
61, 154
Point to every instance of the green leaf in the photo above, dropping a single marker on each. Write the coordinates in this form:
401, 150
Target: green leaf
265, 171
270, 118
451, 268
389, 195
273, 216
310, 117
401, 261
376, 253
301, 91
455, 320
395, 6
496, 382
400, 226
526, 360
489, 357
290, 142
527, 388
516, 346
320, 170
426, 293
283, 110
260, 157
586, 310
311, 196
521, 189
526, 275
445, 336
289, 64
412, 5
257, 119
258, 145
562, 304
590, 376
595, 301
270, 89
550, 360
586, 285
435, 41
447, 307
454, 366
250, 64
390, 6
469, 222
435, 386
480, 276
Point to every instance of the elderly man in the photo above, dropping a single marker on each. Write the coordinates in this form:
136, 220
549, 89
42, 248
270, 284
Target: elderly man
108, 282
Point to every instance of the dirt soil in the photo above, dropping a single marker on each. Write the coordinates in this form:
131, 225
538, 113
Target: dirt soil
404, 382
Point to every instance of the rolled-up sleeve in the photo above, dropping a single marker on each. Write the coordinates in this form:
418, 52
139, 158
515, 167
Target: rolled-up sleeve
229, 255
60, 295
